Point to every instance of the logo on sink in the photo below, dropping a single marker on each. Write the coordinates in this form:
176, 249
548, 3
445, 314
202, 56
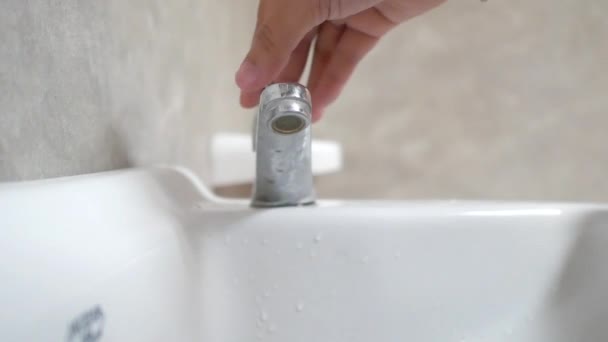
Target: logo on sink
88, 327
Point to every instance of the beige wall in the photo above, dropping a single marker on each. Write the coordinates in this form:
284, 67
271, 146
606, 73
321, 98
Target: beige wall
501, 99
88, 86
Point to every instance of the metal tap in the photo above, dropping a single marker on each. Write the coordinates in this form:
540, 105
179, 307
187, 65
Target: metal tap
282, 142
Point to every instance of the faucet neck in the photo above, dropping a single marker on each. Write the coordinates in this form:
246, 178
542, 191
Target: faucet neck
282, 141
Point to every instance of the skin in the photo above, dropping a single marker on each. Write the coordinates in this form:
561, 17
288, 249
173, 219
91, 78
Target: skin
345, 31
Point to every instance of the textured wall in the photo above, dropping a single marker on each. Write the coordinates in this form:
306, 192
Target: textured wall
54, 90
499, 100
88, 85
502, 99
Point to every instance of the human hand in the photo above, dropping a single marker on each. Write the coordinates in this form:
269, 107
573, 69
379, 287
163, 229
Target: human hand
345, 31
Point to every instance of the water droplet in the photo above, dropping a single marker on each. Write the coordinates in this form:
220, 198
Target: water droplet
264, 242
313, 254
259, 336
227, 239
365, 259
275, 286
397, 255
259, 324
263, 316
278, 252
272, 328
266, 294
300, 245
300, 306
245, 241
318, 237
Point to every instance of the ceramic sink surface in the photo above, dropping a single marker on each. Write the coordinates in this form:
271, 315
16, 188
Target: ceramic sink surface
150, 255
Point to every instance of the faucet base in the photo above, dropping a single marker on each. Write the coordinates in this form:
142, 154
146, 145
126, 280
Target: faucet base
264, 204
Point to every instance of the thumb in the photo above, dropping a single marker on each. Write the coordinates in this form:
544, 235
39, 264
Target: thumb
281, 25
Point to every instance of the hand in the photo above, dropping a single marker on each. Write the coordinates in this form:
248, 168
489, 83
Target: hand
345, 31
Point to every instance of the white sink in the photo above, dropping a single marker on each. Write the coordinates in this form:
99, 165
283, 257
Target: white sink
150, 255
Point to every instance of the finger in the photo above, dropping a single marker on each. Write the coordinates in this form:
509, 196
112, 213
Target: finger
339, 9
399, 11
291, 73
327, 39
297, 62
250, 99
277, 35
369, 23
349, 51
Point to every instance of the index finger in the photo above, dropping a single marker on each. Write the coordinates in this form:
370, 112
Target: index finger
282, 24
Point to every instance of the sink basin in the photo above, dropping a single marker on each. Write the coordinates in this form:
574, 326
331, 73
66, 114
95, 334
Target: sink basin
151, 255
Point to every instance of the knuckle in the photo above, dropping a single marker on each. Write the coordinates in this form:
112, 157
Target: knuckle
266, 39
337, 8
323, 9
330, 9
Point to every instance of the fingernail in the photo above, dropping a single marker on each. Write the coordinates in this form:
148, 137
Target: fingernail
247, 75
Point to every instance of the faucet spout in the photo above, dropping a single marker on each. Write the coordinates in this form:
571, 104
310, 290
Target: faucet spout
282, 142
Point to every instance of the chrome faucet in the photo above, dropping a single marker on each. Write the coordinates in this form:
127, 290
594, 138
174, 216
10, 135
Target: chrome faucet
282, 142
